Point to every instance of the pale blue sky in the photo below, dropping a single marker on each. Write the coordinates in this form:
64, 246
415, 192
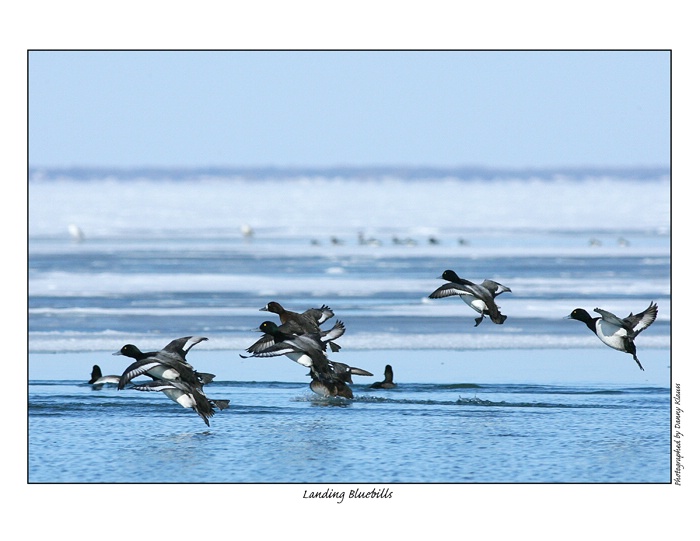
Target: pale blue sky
349, 108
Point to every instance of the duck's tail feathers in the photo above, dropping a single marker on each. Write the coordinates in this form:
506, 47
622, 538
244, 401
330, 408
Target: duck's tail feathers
498, 318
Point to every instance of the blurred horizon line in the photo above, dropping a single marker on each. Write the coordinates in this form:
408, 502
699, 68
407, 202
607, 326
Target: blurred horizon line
408, 172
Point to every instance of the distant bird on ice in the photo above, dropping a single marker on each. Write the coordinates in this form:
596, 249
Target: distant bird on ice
76, 233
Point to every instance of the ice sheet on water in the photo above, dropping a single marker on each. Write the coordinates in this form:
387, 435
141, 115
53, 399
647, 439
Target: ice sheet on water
298, 206
158, 252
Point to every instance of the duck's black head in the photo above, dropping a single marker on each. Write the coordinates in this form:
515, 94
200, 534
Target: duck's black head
269, 327
274, 307
130, 350
450, 276
580, 314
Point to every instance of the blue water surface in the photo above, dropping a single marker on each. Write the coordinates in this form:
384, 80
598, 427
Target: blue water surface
416, 433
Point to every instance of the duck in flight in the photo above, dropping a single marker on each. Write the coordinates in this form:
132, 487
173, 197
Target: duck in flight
172, 375
309, 321
167, 364
615, 332
185, 394
328, 378
274, 334
480, 297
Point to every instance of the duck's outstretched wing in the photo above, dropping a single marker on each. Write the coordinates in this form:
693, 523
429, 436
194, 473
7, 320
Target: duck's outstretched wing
136, 369
154, 385
343, 372
634, 323
360, 371
264, 342
289, 328
342, 368
307, 344
320, 315
334, 332
450, 290
639, 322
267, 346
613, 319
272, 350
177, 369
178, 348
495, 288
